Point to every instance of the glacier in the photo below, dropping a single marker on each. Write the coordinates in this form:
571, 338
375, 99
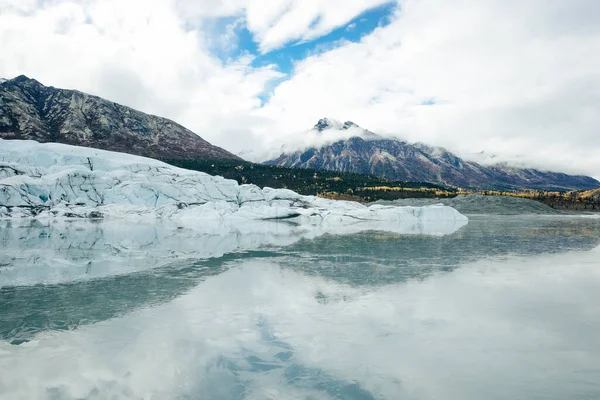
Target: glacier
52, 181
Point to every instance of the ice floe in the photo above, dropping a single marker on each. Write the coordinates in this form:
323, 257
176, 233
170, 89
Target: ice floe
54, 181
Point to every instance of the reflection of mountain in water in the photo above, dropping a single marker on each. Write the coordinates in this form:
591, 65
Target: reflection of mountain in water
64, 275
382, 258
27, 310
361, 259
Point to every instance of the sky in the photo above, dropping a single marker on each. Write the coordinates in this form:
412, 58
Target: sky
518, 79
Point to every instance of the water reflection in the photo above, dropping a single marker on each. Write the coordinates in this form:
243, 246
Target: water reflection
160, 275
27, 310
521, 327
34, 253
384, 258
504, 308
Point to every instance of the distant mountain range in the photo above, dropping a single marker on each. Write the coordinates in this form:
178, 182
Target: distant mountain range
398, 160
30, 110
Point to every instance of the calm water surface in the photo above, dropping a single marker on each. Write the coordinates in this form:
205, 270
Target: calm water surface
504, 308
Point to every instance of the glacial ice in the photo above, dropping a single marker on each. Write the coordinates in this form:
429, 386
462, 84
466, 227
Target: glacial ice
54, 181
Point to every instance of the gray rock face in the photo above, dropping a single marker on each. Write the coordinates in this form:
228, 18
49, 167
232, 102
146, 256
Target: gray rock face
30, 110
402, 161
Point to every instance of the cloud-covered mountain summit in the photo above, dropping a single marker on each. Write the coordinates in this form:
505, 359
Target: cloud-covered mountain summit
368, 153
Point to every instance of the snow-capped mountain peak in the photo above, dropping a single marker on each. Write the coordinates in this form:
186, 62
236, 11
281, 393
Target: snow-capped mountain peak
328, 123
347, 147
347, 129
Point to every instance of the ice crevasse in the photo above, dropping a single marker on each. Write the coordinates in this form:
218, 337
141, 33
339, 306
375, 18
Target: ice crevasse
56, 181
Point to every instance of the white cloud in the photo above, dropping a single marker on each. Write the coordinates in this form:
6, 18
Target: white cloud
513, 78
142, 56
285, 21
277, 22
510, 78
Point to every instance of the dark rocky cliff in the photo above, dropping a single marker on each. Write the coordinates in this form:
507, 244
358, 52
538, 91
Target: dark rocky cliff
30, 110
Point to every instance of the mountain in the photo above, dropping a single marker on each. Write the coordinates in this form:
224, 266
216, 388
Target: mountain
397, 160
30, 110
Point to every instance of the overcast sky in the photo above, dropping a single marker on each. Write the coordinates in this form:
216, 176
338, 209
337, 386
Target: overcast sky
515, 78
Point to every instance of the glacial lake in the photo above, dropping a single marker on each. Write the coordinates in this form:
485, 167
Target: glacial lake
503, 308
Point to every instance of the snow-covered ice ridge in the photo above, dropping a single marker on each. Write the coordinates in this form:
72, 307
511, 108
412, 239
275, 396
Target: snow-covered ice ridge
49, 181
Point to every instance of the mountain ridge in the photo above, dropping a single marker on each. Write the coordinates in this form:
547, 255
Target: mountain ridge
399, 160
32, 111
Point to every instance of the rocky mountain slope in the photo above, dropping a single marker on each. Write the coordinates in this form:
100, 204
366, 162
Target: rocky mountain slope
30, 110
399, 160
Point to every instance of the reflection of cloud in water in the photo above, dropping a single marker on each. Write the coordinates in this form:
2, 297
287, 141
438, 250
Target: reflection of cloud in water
363, 259
62, 275
495, 329
205, 343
